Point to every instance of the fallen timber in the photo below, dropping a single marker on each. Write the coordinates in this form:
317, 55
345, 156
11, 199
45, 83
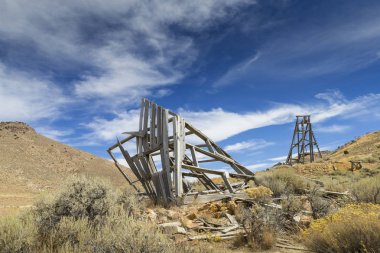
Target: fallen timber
165, 159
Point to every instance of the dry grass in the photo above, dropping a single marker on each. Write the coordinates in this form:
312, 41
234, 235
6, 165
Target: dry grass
354, 228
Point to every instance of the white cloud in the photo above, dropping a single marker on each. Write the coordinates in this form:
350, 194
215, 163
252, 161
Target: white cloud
26, 98
126, 46
103, 129
54, 133
278, 159
332, 129
250, 145
259, 166
219, 124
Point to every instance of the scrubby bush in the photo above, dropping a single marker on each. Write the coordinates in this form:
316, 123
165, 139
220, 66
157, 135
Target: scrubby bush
320, 206
79, 198
17, 235
259, 229
282, 181
354, 228
259, 194
86, 216
367, 190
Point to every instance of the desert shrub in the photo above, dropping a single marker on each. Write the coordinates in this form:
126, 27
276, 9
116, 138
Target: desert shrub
79, 198
260, 193
282, 181
367, 190
130, 202
291, 205
369, 159
346, 152
365, 172
122, 233
320, 207
354, 228
16, 234
86, 216
259, 230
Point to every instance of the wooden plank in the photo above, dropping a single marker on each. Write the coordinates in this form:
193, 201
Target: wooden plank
121, 142
165, 148
216, 156
198, 169
232, 219
163, 188
200, 198
122, 172
208, 161
208, 143
153, 142
139, 140
178, 154
194, 157
227, 183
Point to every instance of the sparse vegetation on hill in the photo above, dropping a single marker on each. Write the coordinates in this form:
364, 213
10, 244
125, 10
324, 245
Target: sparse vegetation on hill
31, 164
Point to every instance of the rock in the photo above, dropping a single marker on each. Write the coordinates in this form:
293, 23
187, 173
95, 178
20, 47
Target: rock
171, 214
191, 216
190, 224
172, 228
151, 215
305, 221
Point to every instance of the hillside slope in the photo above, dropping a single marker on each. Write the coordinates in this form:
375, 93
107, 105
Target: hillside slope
31, 164
365, 149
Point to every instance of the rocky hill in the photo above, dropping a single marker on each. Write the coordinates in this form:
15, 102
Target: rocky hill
31, 164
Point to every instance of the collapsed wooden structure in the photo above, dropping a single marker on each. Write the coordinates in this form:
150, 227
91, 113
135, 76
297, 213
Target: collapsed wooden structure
303, 141
164, 157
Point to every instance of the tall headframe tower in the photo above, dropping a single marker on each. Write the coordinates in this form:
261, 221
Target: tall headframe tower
303, 142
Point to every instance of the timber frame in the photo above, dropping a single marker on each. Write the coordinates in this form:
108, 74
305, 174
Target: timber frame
303, 141
162, 139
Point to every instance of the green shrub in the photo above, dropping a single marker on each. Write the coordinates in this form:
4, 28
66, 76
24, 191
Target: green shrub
282, 181
79, 198
367, 190
354, 228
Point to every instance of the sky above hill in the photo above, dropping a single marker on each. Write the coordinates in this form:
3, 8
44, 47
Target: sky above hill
238, 70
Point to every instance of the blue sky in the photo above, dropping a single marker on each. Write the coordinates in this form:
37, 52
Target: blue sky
238, 70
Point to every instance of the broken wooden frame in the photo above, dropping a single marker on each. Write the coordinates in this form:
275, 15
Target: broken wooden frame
303, 141
163, 137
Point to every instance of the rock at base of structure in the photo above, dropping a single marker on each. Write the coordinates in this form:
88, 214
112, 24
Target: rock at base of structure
172, 228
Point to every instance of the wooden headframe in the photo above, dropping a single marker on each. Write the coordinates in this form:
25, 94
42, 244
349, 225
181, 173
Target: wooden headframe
303, 141
162, 137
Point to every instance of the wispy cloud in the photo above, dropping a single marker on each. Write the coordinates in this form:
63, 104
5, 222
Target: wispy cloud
250, 145
219, 124
54, 134
332, 128
121, 50
259, 166
278, 159
347, 42
26, 98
